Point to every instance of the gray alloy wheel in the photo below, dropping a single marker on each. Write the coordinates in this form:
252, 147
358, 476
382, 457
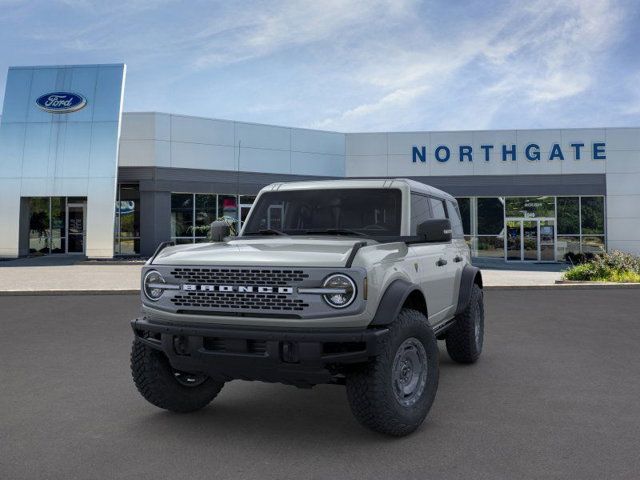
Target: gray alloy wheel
410, 372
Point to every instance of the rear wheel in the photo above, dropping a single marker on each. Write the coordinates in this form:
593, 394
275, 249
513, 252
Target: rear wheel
394, 392
165, 387
465, 338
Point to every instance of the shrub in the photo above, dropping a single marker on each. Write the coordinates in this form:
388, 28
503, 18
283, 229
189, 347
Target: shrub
615, 266
578, 258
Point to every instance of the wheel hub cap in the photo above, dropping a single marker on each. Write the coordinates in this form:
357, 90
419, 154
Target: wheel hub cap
189, 379
409, 374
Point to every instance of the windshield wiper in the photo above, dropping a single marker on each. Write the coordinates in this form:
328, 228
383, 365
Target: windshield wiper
267, 231
335, 231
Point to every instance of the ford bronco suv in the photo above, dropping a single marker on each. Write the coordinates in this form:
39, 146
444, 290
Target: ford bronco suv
347, 282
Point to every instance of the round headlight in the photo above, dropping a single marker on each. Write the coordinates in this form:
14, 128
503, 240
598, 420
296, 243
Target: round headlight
345, 290
151, 283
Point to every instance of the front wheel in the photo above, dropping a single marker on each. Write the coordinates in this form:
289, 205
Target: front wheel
165, 387
394, 392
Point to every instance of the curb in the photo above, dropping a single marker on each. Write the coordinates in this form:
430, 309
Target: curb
566, 286
23, 293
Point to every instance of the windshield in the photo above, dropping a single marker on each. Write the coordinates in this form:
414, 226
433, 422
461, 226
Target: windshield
364, 211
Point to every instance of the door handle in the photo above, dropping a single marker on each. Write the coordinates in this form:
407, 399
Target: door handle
458, 259
441, 263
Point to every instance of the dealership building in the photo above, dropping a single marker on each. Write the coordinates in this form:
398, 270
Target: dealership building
80, 176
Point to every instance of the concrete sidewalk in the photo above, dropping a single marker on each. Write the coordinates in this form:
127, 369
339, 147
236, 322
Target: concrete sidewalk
67, 274
72, 274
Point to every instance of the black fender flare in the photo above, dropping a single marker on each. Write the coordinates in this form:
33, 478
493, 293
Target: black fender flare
392, 301
470, 275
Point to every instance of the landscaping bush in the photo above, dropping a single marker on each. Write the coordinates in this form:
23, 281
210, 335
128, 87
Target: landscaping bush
606, 267
578, 258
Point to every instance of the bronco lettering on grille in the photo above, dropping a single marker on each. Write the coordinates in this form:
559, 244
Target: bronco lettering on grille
237, 288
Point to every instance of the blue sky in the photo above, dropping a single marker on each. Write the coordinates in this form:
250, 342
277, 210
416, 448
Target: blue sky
369, 65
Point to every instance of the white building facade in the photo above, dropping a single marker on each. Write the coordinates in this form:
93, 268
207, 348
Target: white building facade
84, 181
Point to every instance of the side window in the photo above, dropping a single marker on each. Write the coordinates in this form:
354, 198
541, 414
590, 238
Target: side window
420, 211
456, 221
437, 207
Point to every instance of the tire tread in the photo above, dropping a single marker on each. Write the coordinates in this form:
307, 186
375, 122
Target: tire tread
153, 377
460, 338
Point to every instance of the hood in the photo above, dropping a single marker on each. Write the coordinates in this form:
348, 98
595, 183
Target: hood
272, 251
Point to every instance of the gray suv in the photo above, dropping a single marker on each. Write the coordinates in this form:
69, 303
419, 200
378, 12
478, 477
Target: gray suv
346, 282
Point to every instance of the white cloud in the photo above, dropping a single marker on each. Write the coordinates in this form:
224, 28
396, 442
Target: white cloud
348, 64
283, 25
542, 53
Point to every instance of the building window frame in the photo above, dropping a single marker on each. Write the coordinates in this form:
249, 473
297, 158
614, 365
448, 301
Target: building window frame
474, 239
247, 201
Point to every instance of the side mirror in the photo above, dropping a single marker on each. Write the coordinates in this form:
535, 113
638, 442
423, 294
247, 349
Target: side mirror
435, 230
219, 230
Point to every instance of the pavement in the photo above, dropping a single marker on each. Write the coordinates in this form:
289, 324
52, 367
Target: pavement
68, 274
554, 395
72, 274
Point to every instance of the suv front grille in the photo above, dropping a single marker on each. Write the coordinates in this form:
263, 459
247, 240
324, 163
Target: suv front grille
238, 301
239, 276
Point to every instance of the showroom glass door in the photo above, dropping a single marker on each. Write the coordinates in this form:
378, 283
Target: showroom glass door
76, 220
513, 242
530, 240
547, 230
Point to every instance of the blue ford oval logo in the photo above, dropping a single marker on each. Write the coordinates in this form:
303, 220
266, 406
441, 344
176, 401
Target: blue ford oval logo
61, 102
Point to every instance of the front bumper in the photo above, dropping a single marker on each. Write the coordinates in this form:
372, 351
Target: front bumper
271, 355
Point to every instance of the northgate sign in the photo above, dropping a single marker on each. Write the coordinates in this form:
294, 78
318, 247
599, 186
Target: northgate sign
531, 152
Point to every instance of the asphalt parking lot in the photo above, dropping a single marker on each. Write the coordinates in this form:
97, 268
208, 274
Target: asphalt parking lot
555, 395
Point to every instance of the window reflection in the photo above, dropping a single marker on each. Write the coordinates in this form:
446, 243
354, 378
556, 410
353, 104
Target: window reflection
193, 213
127, 225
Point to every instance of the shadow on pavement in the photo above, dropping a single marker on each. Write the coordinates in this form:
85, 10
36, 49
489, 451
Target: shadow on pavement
44, 261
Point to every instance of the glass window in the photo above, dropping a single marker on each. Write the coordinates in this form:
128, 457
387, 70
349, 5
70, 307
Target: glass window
592, 210
39, 225
530, 207
206, 213
420, 211
127, 226
491, 246
437, 208
464, 207
593, 244
246, 202
228, 207
182, 215
490, 216
228, 210
183, 241
129, 246
456, 222
374, 212
568, 216
129, 211
567, 244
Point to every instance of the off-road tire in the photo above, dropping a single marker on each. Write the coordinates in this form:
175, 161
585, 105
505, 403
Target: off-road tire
370, 389
156, 382
461, 341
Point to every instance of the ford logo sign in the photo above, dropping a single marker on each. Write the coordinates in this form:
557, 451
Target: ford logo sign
61, 102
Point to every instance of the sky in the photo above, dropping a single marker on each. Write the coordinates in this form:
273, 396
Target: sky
351, 65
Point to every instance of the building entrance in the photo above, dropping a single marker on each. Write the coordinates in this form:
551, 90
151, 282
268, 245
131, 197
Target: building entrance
76, 221
531, 240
